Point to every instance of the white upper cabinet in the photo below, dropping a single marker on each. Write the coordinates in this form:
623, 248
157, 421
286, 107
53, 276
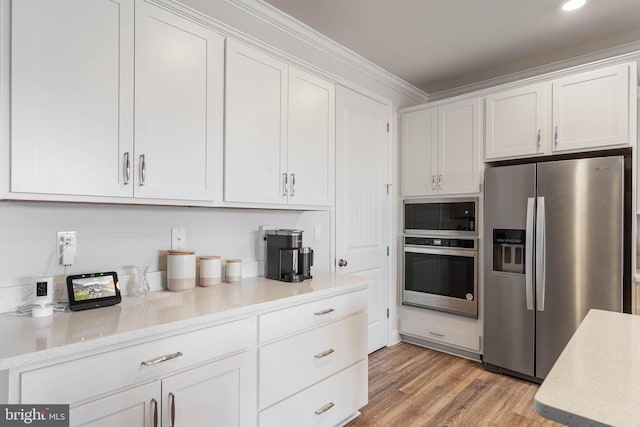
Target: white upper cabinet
419, 152
179, 107
72, 96
311, 139
580, 112
517, 122
458, 147
256, 126
592, 109
440, 149
280, 132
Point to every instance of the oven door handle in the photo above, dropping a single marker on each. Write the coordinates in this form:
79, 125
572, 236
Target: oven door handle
528, 253
469, 253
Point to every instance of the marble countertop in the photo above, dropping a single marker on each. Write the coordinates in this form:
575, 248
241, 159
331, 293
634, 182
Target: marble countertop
596, 379
25, 340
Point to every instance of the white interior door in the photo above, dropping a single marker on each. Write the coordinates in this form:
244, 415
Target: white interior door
362, 203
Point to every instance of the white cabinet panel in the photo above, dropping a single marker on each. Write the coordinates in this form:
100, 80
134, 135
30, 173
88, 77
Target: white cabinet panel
580, 112
280, 323
214, 394
517, 122
256, 123
137, 407
325, 404
441, 149
311, 139
179, 106
458, 147
419, 152
293, 364
591, 109
72, 96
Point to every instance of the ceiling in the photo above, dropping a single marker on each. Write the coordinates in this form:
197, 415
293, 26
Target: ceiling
438, 45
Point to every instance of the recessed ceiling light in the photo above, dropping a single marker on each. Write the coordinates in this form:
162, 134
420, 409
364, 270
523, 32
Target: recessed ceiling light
573, 5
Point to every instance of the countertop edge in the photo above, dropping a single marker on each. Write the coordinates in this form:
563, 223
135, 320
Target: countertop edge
123, 339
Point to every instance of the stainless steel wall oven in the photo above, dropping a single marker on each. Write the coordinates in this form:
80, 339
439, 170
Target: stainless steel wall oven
440, 258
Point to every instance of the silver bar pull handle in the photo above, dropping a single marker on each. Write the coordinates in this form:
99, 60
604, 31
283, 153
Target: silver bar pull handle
436, 334
440, 182
155, 412
127, 168
555, 137
528, 252
143, 170
433, 182
293, 184
161, 359
539, 138
323, 312
324, 353
325, 408
285, 184
172, 409
540, 254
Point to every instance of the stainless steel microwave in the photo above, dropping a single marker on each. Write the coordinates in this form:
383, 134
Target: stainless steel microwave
441, 217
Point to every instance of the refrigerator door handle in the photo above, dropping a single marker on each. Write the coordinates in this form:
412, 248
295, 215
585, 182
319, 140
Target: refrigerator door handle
540, 254
528, 254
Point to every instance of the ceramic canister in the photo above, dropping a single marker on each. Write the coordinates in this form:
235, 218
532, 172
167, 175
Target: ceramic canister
233, 270
210, 270
181, 270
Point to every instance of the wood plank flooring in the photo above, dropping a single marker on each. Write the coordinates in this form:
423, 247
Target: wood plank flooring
414, 386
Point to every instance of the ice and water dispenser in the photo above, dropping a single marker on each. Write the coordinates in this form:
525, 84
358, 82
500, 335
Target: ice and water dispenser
508, 251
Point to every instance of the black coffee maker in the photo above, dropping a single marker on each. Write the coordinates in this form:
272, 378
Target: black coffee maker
287, 260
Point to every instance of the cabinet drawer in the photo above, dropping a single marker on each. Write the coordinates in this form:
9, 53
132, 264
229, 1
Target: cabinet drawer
294, 319
290, 365
81, 379
449, 333
325, 404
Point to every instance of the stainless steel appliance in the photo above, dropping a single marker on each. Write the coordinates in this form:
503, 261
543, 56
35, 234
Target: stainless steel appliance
554, 248
440, 255
287, 260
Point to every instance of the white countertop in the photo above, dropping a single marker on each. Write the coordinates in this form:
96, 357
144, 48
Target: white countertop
25, 340
596, 379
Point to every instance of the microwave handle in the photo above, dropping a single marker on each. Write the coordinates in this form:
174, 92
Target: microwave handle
528, 260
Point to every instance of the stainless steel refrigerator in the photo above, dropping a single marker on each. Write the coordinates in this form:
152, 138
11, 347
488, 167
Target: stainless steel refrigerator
554, 237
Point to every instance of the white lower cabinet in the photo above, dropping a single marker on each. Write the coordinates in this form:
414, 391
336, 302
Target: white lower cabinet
137, 407
316, 375
327, 403
210, 394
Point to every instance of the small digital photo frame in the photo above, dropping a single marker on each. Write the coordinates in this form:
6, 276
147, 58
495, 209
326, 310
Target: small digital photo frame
93, 290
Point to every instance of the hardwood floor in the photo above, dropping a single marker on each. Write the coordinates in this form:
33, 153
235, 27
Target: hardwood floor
414, 386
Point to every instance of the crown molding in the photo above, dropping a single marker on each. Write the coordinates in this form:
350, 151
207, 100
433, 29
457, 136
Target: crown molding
624, 52
291, 26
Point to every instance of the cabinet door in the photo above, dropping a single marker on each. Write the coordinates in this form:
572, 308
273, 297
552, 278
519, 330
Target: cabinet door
311, 139
592, 109
138, 407
255, 166
419, 153
71, 96
458, 147
517, 122
214, 394
179, 107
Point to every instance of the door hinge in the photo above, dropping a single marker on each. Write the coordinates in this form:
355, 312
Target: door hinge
387, 250
387, 313
387, 127
388, 186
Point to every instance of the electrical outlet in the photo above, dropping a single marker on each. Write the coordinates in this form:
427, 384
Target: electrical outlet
178, 238
67, 246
